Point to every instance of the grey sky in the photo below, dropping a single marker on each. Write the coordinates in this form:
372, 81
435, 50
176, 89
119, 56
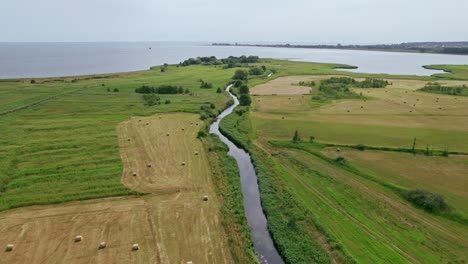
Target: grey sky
327, 21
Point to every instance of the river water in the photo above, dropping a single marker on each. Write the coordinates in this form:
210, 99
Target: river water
25, 60
263, 243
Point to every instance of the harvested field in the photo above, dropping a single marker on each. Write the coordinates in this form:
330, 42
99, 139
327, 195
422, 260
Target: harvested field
172, 224
444, 175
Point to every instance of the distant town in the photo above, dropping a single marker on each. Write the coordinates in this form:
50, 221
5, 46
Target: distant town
460, 47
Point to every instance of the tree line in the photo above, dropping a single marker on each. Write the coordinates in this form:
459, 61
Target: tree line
162, 89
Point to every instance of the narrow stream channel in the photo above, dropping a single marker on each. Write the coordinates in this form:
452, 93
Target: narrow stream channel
263, 243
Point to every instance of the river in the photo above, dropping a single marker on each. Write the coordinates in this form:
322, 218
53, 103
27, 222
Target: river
256, 219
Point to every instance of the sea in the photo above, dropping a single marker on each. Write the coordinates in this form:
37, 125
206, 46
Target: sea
54, 59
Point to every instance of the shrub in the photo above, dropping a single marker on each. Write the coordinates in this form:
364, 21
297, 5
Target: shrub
237, 83
341, 160
256, 71
240, 75
245, 100
361, 147
162, 89
116, 90
201, 134
167, 101
296, 139
219, 90
33, 81
151, 99
431, 202
244, 89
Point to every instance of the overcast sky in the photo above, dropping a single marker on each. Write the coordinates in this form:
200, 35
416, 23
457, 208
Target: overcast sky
327, 21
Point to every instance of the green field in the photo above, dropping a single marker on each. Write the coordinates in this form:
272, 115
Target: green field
360, 208
60, 143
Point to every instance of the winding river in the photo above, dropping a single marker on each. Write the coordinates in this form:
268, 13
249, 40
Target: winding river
263, 243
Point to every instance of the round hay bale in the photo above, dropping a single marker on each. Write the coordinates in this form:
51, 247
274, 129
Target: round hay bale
348, 111
338, 150
362, 106
102, 245
183, 163
160, 117
196, 124
282, 117
78, 238
134, 174
183, 129
148, 165
9, 247
135, 247
196, 153
147, 123
205, 198
128, 139
167, 134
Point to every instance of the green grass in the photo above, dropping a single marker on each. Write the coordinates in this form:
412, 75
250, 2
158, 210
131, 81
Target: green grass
372, 135
455, 72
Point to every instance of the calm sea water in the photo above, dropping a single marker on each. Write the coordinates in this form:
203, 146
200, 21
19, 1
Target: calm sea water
63, 59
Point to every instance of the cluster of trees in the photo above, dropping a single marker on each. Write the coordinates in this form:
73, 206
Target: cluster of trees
207, 111
162, 89
231, 61
257, 70
151, 99
438, 88
367, 83
244, 97
305, 83
339, 87
240, 75
205, 85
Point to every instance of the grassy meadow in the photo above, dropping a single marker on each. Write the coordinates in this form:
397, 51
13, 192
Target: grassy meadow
353, 202
60, 143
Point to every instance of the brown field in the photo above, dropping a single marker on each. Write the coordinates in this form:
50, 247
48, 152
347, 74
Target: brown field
396, 105
443, 175
171, 224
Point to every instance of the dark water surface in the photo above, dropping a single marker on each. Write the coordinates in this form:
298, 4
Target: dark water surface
24, 60
263, 243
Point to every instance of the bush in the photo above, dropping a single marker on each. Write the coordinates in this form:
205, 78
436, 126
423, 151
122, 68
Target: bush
237, 83
245, 100
341, 160
219, 90
167, 101
162, 89
240, 75
256, 71
116, 90
361, 147
244, 89
431, 202
33, 81
201, 134
151, 99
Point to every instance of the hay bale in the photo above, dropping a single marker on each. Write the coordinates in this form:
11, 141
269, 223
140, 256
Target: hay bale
183, 163
9, 247
362, 106
134, 174
160, 117
196, 153
135, 247
102, 245
167, 134
183, 129
147, 123
282, 117
78, 238
338, 150
189, 262
348, 111
148, 165
205, 198
128, 139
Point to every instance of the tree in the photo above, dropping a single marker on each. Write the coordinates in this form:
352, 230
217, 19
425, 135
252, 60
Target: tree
264, 67
116, 90
244, 89
296, 139
240, 75
255, 71
245, 100
151, 99
33, 81
219, 90
237, 83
